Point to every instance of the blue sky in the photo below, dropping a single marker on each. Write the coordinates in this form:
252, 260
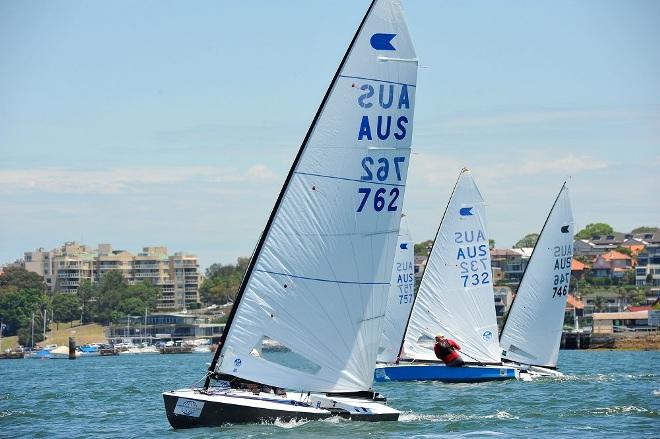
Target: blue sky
174, 123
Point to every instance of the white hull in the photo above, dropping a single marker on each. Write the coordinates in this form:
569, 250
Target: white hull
529, 373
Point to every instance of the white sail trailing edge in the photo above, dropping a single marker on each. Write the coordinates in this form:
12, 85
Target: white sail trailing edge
532, 332
455, 296
402, 289
320, 278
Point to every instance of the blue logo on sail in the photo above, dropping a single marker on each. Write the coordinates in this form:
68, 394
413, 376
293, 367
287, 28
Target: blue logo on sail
403, 246
487, 335
465, 211
237, 362
382, 41
564, 229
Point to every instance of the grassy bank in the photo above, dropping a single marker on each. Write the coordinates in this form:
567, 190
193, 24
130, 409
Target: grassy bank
92, 333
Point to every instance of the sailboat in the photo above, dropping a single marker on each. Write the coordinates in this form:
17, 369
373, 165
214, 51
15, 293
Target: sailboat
455, 299
531, 333
318, 280
401, 297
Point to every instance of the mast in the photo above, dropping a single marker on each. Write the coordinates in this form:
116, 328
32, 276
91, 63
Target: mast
506, 317
403, 340
273, 213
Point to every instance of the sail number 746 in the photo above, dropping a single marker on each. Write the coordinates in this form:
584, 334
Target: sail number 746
380, 169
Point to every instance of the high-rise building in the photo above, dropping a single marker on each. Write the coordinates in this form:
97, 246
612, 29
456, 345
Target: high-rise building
176, 276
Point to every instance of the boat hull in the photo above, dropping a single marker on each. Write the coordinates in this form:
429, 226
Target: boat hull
530, 373
190, 408
437, 372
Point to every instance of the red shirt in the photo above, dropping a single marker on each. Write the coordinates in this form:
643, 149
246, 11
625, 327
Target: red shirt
448, 357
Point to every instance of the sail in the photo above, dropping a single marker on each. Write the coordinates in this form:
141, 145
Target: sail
455, 296
532, 332
401, 297
319, 279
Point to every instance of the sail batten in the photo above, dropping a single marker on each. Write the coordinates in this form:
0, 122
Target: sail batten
455, 296
318, 280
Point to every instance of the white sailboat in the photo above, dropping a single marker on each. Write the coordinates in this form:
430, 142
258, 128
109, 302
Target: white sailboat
402, 294
318, 280
531, 334
455, 299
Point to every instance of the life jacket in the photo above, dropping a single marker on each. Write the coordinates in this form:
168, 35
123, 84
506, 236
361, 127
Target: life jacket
445, 349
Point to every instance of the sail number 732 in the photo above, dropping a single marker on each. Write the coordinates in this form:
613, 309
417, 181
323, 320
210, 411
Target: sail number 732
378, 170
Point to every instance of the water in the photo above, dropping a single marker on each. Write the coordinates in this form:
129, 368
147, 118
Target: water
606, 393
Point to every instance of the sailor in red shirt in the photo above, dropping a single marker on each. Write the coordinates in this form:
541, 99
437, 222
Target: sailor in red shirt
447, 350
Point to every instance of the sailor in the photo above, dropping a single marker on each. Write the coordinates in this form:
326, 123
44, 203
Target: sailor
447, 350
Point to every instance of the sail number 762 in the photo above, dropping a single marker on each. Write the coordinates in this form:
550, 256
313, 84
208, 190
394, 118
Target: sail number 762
381, 196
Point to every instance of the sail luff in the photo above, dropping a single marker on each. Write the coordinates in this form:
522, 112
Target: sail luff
278, 202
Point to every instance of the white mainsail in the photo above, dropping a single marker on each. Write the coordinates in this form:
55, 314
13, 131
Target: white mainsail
402, 290
532, 332
455, 296
318, 281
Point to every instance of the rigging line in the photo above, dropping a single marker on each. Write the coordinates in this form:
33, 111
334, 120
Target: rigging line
384, 232
381, 183
321, 280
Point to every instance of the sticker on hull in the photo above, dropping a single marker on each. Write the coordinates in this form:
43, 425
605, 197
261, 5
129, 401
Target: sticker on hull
188, 407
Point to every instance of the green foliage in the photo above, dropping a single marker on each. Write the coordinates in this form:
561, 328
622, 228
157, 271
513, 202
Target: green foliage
17, 306
422, 248
223, 281
595, 229
645, 229
528, 241
491, 243
21, 279
112, 299
624, 250
66, 307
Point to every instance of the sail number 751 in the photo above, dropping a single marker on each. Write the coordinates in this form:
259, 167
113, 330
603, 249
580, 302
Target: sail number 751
382, 197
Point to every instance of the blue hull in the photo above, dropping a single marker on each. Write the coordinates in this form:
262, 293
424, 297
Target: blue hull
436, 372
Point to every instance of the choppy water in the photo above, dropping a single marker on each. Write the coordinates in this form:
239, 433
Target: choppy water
606, 393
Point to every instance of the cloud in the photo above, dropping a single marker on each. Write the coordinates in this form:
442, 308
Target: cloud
539, 117
569, 164
125, 179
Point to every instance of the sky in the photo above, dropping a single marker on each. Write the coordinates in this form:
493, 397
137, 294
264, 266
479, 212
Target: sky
175, 123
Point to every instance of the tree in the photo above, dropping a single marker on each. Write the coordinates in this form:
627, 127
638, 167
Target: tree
422, 248
595, 229
86, 292
645, 229
491, 243
66, 308
222, 282
16, 308
598, 304
624, 250
528, 241
20, 279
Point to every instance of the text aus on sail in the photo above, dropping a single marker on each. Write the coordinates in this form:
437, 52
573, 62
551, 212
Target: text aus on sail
388, 99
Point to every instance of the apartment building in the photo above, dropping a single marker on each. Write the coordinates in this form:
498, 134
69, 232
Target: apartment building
64, 269
647, 272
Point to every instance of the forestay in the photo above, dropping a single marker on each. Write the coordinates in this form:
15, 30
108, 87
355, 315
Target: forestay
532, 332
455, 296
400, 302
320, 277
